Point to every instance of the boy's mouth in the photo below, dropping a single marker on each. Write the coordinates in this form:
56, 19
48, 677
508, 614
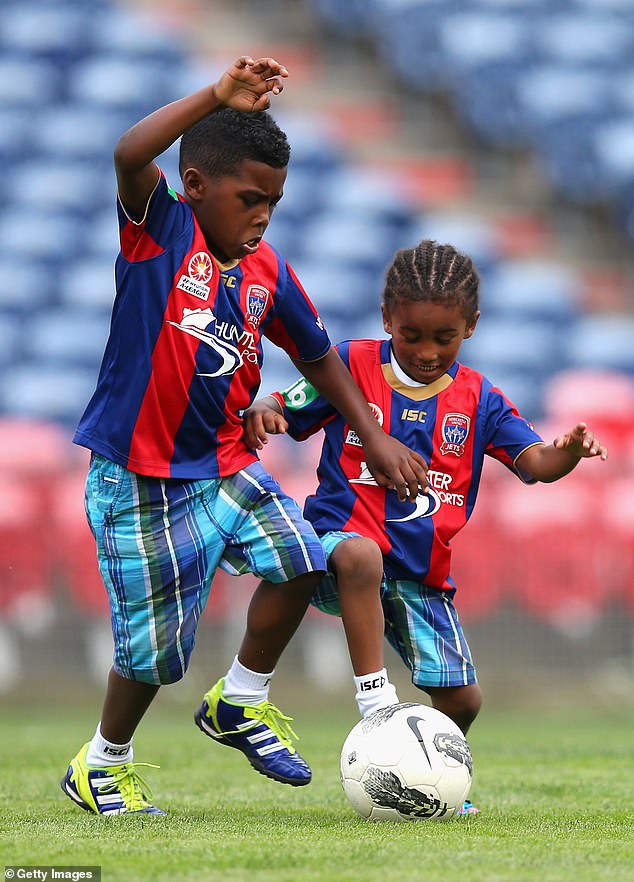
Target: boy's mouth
251, 245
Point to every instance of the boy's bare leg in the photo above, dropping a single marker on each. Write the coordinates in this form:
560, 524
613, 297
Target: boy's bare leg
358, 566
124, 706
275, 613
460, 703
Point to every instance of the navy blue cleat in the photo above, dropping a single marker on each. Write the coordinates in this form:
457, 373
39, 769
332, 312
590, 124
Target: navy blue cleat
261, 732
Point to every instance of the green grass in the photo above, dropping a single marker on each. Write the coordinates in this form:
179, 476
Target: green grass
556, 792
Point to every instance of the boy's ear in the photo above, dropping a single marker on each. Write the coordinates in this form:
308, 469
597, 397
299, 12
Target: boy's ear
387, 321
471, 326
194, 183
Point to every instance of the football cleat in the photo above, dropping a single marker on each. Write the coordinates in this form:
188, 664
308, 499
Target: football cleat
468, 808
110, 790
262, 732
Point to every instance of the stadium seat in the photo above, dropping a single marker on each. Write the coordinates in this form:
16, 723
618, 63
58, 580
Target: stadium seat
601, 341
65, 186
552, 544
533, 290
46, 390
36, 235
88, 285
63, 337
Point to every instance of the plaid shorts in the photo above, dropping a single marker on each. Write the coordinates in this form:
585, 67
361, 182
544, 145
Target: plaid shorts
160, 541
421, 624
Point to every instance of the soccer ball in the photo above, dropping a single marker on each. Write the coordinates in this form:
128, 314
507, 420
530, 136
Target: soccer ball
406, 762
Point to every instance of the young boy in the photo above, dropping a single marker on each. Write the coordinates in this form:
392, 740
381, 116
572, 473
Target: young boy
389, 569
173, 492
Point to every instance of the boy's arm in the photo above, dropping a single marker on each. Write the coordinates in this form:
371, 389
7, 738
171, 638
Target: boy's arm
391, 463
262, 419
549, 462
244, 86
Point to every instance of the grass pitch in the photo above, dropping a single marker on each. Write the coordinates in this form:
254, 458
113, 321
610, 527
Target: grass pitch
555, 789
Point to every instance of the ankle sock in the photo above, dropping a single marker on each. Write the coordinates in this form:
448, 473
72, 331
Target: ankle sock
243, 686
374, 691
102, 752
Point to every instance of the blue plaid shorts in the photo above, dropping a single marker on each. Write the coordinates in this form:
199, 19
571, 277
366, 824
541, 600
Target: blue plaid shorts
160, 542
421, 624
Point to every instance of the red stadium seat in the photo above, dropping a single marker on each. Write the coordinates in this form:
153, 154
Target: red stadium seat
554, 550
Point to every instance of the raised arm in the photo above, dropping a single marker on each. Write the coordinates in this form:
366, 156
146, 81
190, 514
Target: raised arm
246, 86
391, 463
549, 462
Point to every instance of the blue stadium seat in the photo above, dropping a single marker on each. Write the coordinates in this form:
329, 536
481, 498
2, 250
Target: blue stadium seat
136, 88
64, 337
21, 280
532, 290
473, 235
59, 185
28, 83
509, 344
46, 391
88, 283
67, 131
53, 32
32, 234
125, 33
592, 36
601, 341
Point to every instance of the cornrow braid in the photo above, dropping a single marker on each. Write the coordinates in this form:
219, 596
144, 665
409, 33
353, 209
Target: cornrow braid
436, 273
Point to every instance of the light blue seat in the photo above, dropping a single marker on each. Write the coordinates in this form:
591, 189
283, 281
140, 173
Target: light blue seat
120, 84
47, 391
68, 131
601, 341
473, 235
532, 290
32, 234
66, 337
88, 283
508, 344
124, 32
22, 281
28, 83
58, 185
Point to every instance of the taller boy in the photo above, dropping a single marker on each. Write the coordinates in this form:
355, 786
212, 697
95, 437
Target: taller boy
173, 492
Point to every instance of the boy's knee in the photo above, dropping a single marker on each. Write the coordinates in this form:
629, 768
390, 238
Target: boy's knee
358, 559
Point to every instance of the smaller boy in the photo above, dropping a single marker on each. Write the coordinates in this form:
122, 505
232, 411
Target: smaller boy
389, 569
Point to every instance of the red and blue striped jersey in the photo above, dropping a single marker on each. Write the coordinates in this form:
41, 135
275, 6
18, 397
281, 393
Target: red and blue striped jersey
453, 423
184, 353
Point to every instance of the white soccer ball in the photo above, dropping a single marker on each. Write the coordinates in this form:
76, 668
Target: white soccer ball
406, 762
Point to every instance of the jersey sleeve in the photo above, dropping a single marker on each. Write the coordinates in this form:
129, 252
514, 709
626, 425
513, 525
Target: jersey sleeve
305, 410
295, 325
166, 216
508, 434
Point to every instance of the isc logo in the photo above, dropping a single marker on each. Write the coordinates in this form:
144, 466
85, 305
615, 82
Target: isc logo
413, 416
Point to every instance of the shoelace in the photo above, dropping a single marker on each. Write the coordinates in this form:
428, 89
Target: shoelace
272, 717
135, 791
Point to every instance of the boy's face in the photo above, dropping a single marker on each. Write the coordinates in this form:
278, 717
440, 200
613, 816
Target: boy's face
234, 211
426, 337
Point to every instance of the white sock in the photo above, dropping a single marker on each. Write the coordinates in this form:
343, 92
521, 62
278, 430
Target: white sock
102, 752
243, 686
374, 691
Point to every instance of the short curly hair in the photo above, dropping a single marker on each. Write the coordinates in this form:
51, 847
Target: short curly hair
222, 141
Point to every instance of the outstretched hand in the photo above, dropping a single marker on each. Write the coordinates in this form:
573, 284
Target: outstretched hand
581, 442
248, 84
261, 420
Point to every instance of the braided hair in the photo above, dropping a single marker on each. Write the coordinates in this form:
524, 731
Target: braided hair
436, 273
